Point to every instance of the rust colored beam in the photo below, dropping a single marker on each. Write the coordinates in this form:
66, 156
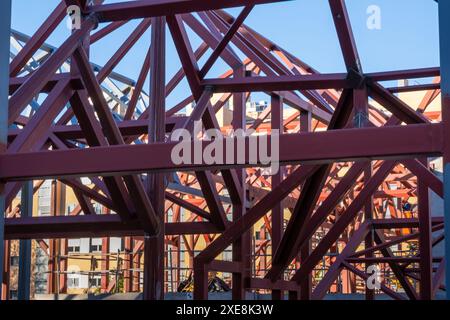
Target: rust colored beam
350, 144
38, 39
135, 187
149, 8
34, 84
92, 226
154, 247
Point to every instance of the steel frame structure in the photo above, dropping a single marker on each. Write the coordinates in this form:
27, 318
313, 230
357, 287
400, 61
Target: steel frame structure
350, 141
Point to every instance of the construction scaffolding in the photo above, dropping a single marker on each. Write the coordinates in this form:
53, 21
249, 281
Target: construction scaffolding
86, 162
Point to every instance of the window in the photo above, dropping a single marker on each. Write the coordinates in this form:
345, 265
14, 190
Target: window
96, 282
74, 246
75, 249
86, 181
260, 233
14, 261
44, 198
115, 245
260, 108
73, 277
98, 208
96, 245
96, 248
73, 281
170, 215
71, 207
228, 254
13, 295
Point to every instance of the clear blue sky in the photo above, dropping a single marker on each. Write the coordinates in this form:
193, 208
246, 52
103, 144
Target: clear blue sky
408, 37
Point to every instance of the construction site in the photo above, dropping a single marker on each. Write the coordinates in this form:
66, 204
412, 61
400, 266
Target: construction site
340, 191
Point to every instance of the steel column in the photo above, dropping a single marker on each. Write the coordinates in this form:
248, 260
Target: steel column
278, 210
26, 210
305, 251
5, 31
425, 240
444, 29
154, 247
242, 247
332, 177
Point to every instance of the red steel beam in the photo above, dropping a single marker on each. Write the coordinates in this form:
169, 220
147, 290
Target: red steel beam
186, 54
410, 141
154, 247
34, 84
106, 30
243, 224
188, 206
154, 8
263, 59
226, 39
398, 108
123, 50
212, 37
144, 209
202, 111
38, 39
94, 137
334, 270
396, 269
404, 74
318, 218
309, 196
284, 75
342, 223
345, 35
401, 223
92, 226
281, 83
365, 277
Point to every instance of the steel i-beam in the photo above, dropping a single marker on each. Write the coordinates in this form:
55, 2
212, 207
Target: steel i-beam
444, 28
5, 31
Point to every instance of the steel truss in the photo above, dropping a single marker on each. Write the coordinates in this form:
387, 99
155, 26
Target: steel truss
349, 152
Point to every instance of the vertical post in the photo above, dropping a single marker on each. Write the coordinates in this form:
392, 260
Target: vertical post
360, 108
178, 262
306, 284
242, 247
277, 210
118, 268
7, 269
57, 208
58, 274
128, 281
136, 274
5, 33
361, 119
63, 264
444, 28
26, 210
201, 281
105, 263
154, 247
368, 215
425, 239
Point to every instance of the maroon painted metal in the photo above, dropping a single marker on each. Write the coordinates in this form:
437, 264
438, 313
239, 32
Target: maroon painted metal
339, 156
